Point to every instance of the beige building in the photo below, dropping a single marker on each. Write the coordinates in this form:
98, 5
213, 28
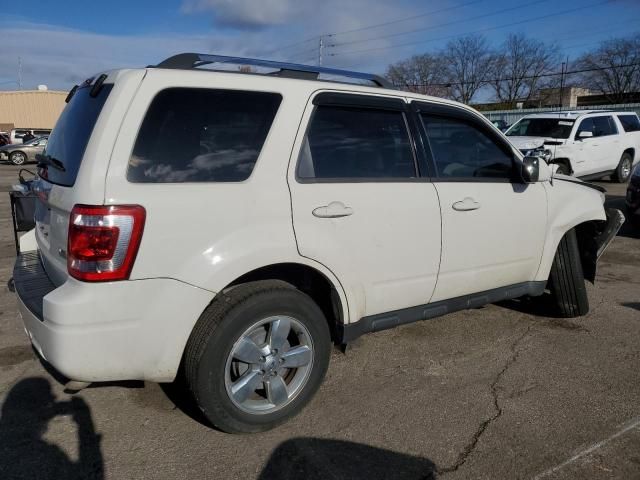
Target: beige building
30, 108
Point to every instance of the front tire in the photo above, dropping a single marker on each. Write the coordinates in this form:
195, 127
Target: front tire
18, 158
623, 171
563, 169
566, 280
256, 356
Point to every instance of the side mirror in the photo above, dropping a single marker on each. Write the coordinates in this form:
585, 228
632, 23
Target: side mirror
534, 169
585, 134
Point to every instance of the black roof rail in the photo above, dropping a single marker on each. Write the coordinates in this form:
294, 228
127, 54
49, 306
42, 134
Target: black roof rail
187, 61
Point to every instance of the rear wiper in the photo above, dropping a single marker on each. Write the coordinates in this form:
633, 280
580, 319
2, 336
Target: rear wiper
46, 160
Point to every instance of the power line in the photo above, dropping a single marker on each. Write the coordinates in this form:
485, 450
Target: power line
496, 27
433, 27
405, 19
368, 27
526, 77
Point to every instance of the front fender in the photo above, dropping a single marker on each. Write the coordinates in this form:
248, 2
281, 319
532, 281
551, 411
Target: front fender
594, 237
568, 205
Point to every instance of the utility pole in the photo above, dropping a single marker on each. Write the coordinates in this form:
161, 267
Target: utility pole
563, 70
19, 73
320, 48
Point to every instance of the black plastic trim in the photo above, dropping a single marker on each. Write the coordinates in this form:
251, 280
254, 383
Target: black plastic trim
583, 183
384, 321
31, 282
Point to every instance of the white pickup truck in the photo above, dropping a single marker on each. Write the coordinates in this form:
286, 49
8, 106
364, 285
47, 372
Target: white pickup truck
588, 144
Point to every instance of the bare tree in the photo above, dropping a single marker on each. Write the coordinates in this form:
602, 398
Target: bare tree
518, 66
468, 65
420, 74
616, 68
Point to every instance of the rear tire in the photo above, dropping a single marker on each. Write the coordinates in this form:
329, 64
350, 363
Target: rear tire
566, 280
18, 158
237, 341
622, 173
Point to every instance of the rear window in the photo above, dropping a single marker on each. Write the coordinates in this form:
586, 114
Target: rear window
630, 123
202, 135
69, 138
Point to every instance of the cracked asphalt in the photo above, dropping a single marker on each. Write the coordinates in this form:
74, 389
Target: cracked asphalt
500, 392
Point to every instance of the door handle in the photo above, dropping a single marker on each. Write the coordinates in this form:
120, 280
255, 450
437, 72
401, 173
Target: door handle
333, 210
465, 205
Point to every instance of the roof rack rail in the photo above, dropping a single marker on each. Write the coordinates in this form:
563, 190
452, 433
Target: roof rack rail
187, 61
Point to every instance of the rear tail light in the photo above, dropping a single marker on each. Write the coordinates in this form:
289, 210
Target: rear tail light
103, 241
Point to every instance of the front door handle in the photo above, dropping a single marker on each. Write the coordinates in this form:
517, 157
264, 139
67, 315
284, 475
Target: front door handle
333, 210
465, 205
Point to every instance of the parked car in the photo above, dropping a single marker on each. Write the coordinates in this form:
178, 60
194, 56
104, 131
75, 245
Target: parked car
228, 227
633, 194
21, 153
17, 133
500, 125
586, 144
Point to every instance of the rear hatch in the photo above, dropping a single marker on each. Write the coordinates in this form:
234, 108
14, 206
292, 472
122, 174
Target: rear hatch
58, 170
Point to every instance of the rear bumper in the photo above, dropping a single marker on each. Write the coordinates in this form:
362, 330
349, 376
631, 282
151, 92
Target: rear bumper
129, 330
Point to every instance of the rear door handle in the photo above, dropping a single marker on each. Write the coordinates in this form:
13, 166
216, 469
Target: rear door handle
333, 210
465, 205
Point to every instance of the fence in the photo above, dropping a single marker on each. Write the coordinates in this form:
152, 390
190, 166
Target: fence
512, 116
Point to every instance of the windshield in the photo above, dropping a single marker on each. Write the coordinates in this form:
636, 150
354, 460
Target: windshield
69, 138
542, 127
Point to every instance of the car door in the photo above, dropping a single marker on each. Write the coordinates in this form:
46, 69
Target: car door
493, 224
591, 151
608, 140
359, 204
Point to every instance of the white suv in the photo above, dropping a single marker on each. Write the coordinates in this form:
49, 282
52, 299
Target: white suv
230, 226
586, 144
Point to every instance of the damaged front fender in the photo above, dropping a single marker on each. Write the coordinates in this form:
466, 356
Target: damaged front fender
594, 237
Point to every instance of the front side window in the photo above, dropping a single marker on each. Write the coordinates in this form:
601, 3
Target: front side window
461, 150
202, 135
356, 143
630, 123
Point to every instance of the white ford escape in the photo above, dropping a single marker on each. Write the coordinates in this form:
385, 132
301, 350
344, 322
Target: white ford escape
229, 226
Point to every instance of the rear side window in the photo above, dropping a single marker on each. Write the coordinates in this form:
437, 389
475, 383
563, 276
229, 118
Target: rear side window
603, 126
202, 135
630, 123
356, 143
463, 151
69, 139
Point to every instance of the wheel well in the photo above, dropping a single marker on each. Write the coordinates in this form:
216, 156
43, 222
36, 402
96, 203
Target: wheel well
307, 280
563, 161
630, 151
586, 234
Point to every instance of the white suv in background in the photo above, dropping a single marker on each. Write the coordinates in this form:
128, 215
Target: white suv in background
228, 227
586, 144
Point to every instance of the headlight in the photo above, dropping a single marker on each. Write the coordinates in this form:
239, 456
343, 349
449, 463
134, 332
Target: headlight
539, 152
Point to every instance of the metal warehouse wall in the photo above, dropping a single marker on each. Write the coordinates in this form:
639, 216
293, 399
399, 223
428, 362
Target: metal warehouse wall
31, 108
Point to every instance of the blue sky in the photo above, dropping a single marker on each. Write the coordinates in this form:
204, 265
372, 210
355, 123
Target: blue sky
61, 43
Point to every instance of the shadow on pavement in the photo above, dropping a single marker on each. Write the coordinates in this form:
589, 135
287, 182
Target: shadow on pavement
314, 459
24, 453
634, 305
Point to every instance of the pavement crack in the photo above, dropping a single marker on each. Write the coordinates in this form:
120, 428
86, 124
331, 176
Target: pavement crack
473, 443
